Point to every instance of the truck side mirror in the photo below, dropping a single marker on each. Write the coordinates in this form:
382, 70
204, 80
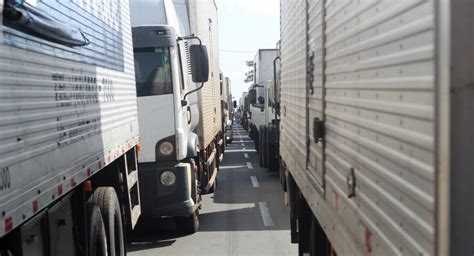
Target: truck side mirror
235, 104
253, 96
199, 63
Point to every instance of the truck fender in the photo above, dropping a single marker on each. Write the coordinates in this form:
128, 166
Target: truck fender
193, 145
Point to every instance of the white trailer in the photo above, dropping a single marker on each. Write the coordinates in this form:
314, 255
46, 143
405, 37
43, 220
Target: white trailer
69, 129
377, 126
204, 23
182, 129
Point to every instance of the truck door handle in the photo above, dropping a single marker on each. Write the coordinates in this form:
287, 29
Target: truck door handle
189, 114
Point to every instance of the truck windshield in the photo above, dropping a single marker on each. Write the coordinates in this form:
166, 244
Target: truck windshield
153, 71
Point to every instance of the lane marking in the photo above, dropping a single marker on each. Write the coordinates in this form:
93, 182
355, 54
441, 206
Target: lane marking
267, 219
254, 181
249, 165
232, 167
246, 155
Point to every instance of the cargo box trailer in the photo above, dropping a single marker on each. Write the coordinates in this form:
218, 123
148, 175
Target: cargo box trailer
69, 129
377, 126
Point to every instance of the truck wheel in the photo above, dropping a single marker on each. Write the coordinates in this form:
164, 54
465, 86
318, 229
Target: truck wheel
265, 146
263, 142
282, 178
189, 224
203, 175
272, 154
97, 235
106, 199
260, 146
256, 139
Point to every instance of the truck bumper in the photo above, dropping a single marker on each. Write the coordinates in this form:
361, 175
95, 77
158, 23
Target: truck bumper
159, 200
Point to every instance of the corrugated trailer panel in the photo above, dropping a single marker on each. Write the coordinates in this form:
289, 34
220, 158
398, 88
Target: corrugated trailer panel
378, 91
65, 113
293, 84
203, 19
315, 88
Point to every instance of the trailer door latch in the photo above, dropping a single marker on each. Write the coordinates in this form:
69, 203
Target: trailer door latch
318, 129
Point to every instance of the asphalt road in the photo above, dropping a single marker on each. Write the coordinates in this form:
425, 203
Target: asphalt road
245, 216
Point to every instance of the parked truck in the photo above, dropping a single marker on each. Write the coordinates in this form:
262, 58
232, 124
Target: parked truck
377, 127
244, 110
227, 108
258, 92
69, 128
180, 108
263, 118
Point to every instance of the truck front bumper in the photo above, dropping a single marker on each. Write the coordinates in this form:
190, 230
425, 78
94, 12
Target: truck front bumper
160, 200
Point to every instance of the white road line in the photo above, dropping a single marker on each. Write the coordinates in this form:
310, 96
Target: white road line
232, 167
246, 155
254, 181
267, 219
249, 165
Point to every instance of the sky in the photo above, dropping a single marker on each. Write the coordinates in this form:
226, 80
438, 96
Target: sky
244, 27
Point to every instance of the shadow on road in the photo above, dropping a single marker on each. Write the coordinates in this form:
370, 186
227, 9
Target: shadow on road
149, 234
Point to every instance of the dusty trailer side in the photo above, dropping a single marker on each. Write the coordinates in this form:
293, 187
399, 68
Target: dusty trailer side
203, 22
360, 130
69, 130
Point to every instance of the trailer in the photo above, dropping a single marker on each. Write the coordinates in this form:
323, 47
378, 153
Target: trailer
203, 21
376, 131
69, 129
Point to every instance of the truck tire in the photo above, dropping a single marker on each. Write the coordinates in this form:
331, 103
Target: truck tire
282, 178
265, 146
97, 235
256, 138
189, 224
106, 199
273, 164
203, 175
260, 144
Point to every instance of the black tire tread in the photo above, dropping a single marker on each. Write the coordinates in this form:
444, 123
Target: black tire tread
106, 199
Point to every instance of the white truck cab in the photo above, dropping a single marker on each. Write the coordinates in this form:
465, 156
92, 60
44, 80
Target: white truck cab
166, 67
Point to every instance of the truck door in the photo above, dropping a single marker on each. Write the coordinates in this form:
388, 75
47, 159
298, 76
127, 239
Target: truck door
315, 93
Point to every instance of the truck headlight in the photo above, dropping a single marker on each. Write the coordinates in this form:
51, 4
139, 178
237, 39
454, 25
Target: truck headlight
166, 148
167, 178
